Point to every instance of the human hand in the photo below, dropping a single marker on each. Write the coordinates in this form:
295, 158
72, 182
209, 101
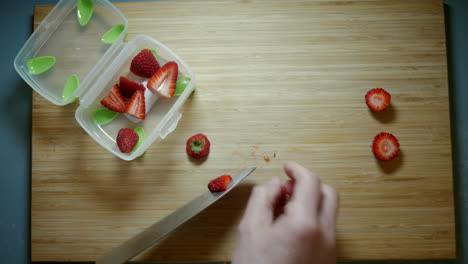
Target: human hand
303, 234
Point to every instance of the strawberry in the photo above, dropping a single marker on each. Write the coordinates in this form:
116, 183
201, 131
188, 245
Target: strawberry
128, 87
127, 140
378, 99
136, 105
144, 64
114, 100
163, 82
284, 197
286, 190
219, 184
198, 146
385, 146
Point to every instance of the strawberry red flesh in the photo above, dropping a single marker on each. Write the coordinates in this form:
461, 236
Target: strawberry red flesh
219, 184
136, 106
129, 87
114, 100
385, 146
378, 99
163, 83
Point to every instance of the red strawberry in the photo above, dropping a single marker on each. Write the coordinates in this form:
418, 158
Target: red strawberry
144, 64
114, 100
127, 140
219, 184
385, 146
198, 146
136, 105
378, 99
164, 81
128, 87
284, 197
286, 190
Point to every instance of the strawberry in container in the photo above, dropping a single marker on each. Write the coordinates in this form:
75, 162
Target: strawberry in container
78, 54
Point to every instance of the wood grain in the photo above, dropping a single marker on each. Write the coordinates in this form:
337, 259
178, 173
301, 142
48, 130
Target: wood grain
284, 80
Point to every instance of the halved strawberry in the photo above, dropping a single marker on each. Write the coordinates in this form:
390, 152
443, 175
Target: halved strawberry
128, 87
378, 99
219, 184
136, 105
164, 81
144, 64
114, 100
385, 146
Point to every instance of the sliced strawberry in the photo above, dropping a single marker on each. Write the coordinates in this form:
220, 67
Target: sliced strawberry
385, 146
127, 140
129, 87
378, 99
163, 82
136, 105
144, 64
219, 184
114, 100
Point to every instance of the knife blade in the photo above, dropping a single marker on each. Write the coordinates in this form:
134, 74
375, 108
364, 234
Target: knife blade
158, 230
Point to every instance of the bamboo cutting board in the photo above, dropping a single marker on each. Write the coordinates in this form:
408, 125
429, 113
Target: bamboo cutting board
279, 81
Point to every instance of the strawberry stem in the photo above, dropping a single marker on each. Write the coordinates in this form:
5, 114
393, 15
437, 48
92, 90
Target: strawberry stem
197, 145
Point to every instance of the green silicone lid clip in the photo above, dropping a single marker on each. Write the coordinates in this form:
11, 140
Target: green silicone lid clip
40, 64
70, 86
112, 34
85, 11
103, 116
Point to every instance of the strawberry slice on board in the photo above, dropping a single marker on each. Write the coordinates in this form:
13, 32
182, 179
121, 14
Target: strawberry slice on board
385, 146
114, 100
136, 105
378, 99
219, 184
163, 83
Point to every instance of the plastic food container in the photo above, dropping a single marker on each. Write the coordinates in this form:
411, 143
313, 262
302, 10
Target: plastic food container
79, 50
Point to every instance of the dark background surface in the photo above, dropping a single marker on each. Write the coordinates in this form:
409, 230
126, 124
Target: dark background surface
15, 129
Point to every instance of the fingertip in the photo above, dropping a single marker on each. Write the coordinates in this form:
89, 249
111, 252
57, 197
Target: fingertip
288, 165
331, 200
289, 168
332, 193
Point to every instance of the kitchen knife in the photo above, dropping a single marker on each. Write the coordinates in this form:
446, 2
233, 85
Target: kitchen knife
157, 231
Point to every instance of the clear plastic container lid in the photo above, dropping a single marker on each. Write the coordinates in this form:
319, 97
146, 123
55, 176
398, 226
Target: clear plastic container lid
162, 116
77, 49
